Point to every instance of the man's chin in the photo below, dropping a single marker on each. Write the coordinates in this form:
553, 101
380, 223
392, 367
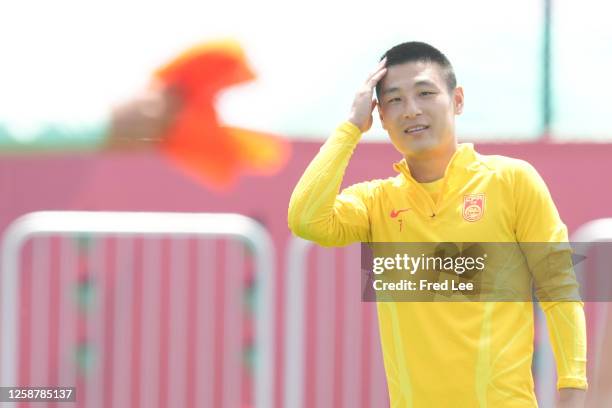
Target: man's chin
418, 148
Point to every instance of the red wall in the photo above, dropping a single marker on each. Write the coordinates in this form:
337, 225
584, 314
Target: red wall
577, 175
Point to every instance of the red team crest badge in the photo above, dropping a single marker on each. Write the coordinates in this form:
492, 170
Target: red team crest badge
473, 207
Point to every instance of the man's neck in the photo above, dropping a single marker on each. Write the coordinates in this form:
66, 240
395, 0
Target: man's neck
430, 167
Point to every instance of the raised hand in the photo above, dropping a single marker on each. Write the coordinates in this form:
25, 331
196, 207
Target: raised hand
363, 104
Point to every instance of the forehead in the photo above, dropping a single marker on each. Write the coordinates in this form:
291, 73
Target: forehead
408, 74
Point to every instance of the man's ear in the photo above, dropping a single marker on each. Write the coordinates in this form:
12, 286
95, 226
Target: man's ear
458, 100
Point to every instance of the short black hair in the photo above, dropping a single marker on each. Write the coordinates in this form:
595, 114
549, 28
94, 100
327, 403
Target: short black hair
414, 51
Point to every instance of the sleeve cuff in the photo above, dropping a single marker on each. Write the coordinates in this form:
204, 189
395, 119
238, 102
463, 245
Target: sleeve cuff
572, 382
350, 129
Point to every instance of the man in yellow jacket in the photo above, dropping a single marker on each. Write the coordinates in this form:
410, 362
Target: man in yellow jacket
442, 354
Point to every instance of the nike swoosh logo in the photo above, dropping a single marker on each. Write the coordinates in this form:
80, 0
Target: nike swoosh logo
394, 213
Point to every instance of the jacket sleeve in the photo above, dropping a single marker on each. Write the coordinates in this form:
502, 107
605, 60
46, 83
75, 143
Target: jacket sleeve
538, 222
317, 212
567, 333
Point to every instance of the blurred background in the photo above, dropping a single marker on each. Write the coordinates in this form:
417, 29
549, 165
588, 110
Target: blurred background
70, 59
192, 318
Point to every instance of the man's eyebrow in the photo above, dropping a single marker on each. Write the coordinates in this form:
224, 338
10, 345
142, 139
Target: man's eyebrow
425, 82
389, 90
422, 82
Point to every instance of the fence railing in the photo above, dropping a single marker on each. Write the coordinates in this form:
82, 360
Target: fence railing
141, 229
332, 355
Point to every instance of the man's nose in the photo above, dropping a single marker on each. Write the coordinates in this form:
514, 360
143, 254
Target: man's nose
411, 108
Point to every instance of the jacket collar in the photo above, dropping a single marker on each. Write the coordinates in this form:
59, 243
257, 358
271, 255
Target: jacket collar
464, 156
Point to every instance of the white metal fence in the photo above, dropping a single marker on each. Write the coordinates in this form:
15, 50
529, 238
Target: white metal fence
160, 339
332, 356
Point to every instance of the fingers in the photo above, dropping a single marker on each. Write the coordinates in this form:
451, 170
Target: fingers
377, 75
379, 67
364, 104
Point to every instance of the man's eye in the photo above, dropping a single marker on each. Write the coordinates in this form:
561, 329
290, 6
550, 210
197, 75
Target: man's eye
393, 100
427, 93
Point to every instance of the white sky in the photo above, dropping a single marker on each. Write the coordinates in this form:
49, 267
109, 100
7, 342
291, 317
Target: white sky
67, 60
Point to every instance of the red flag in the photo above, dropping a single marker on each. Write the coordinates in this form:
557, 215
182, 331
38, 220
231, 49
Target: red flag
216, 155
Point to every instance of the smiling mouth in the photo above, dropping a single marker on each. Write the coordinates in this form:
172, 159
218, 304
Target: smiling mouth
415, 129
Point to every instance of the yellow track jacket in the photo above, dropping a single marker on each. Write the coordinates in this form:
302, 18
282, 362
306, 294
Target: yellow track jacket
441, 354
